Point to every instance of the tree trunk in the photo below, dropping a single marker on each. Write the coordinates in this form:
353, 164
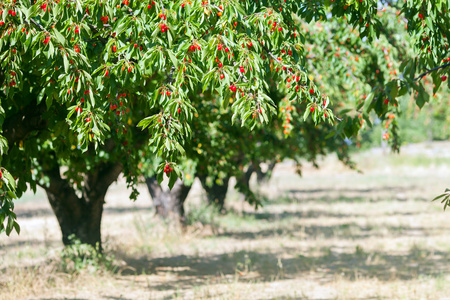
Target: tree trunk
263, 177
168, 202
216, 193
80, 217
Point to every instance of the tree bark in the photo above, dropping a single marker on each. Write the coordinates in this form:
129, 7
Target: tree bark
262, 177
216, 193
80, 216
81, 224
168, 202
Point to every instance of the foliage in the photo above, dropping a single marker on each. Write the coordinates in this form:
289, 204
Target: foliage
78, 257
76, 76
445, 198
202, 215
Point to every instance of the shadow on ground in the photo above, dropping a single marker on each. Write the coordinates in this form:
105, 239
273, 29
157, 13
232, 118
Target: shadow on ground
187, 271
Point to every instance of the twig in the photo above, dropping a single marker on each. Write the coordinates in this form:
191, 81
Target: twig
38, 25
431, 70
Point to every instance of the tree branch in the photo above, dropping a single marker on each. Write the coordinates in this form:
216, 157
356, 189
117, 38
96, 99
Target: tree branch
38, 25
431, 70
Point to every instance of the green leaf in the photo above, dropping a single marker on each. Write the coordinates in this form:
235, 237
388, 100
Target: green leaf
172, 179
172, 58
66, 63
59, 37
422, 98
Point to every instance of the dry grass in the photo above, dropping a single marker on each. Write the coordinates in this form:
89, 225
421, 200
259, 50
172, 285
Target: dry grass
332, 234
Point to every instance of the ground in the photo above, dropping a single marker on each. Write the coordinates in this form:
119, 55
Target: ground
333, 233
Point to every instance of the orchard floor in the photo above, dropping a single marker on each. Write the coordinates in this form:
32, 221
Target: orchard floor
331, 234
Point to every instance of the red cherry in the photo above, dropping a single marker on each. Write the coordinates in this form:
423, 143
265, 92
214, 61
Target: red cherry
88, 119
443, 78
114, 48
279, 28
222, 76
106, 73
242, 70
386, 101
149, 6
179, 110
220, 65
168, 93
311, 91
312, 108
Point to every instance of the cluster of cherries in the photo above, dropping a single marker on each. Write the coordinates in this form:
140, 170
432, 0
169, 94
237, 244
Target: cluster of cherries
194, 47
115, 106
274, 24
47, 39
167, 169
220, 48
164, 27
12, 82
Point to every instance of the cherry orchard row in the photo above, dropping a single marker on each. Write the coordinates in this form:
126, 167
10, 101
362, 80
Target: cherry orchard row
80, 58
84, 56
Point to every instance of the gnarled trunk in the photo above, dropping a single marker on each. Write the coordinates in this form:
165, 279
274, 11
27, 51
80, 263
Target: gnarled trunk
168, 202
216, 193
80, 216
